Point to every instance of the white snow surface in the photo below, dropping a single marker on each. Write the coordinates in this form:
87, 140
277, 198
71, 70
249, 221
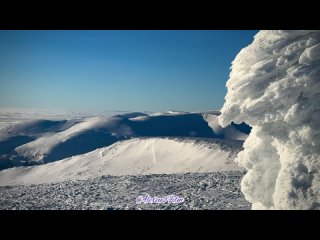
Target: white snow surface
44, 146
274, 86
39, 141
133, 157
86, 161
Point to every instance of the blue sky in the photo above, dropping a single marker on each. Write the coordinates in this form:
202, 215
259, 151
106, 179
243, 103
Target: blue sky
118, 70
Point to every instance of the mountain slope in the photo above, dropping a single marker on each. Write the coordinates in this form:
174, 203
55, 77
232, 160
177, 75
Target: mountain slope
132, 157
43, 141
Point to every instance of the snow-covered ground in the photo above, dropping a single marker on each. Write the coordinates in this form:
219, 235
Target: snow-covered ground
83, 161
220, 190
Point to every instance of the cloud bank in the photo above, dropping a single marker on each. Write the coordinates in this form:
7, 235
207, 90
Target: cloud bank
274, 86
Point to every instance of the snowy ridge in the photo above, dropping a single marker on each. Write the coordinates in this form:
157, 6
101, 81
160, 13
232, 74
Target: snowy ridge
42, 141
134, 157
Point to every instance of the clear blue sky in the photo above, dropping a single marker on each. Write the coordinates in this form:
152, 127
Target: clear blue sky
117, 70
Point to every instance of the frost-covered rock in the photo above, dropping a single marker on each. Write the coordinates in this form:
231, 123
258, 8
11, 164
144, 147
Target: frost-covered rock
274, 86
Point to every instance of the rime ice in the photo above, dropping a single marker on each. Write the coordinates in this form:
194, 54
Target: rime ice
274, 86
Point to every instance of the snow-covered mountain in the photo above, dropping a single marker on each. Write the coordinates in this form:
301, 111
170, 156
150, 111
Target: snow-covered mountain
42, 141
134, 157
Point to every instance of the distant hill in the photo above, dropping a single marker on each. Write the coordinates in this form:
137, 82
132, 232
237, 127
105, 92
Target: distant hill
41, 141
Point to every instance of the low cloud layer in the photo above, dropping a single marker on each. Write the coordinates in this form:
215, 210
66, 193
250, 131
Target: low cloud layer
274, 86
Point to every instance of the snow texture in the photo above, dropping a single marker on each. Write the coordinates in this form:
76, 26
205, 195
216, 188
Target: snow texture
274, 86
220, 190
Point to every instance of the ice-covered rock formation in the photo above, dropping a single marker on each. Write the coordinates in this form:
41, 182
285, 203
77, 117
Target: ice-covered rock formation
274, 86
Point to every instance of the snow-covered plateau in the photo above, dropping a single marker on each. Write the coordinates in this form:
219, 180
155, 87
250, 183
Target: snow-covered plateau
105, 162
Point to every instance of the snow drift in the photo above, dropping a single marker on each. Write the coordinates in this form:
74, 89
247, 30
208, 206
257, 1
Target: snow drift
274, 86
134, 157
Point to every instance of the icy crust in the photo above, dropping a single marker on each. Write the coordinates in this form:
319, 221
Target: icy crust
274, 86
219, 190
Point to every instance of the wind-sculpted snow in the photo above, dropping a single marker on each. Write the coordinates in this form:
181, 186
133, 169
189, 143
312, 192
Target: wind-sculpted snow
274, 86
219, 190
